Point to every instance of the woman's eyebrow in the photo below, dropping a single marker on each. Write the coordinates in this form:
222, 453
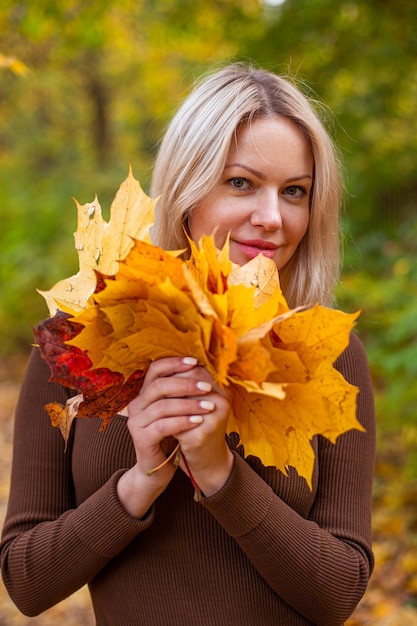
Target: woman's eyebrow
302, 177
262, 176
249, 169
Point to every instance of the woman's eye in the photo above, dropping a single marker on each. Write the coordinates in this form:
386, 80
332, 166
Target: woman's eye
295, 191
239, 183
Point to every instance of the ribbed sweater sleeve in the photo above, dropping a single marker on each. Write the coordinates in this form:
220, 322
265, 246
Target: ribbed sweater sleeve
321, 565
44, 530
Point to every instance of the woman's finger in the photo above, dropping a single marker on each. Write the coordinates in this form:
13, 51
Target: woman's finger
168, 388
169, 366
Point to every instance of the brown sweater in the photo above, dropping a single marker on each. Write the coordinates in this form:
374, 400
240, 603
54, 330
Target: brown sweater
263, 551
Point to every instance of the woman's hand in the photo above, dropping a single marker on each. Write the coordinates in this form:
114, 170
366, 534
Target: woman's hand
206, 452
171, 403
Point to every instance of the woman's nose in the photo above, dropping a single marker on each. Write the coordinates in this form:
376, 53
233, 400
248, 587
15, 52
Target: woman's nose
267, 212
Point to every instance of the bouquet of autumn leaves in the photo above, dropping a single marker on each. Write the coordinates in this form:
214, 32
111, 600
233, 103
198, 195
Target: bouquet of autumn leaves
132, 302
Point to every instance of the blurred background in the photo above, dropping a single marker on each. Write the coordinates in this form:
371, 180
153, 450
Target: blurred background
87, 88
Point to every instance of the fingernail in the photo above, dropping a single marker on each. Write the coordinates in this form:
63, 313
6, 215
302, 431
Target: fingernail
196, 419
189, 360
203, 386
207, 405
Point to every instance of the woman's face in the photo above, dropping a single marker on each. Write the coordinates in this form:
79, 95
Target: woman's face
262, 198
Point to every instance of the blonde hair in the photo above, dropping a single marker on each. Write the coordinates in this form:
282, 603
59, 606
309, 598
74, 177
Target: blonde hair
193, 154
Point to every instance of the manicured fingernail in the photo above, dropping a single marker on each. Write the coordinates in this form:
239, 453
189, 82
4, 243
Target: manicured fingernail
203, 386
189, 360
207, 405
196, 419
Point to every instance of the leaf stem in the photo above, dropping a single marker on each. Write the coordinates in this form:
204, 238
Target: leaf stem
175, 454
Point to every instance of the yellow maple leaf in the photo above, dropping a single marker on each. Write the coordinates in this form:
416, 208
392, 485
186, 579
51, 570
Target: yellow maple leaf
321, 334
262, 274
210, 265
100, 244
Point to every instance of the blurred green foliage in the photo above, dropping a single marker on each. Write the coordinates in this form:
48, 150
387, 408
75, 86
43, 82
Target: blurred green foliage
382, 281
87, 87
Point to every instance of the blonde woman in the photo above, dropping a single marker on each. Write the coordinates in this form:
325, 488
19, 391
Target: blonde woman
248, 155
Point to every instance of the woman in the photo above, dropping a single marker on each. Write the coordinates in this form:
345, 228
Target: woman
245, 154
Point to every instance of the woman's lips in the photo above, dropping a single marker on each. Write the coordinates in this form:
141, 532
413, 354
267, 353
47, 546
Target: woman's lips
252, 248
